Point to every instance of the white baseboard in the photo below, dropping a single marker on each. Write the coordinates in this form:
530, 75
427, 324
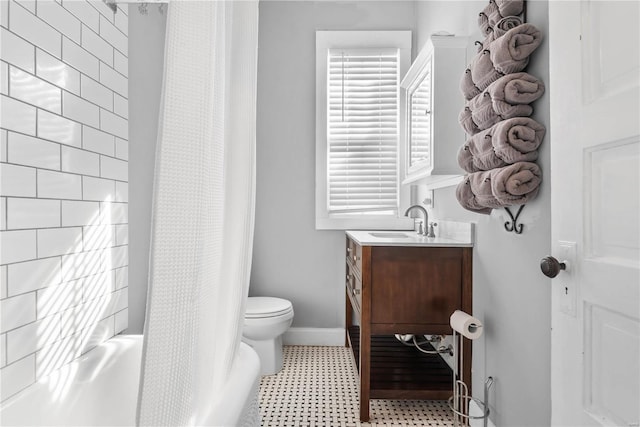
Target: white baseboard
314, 336
474, 410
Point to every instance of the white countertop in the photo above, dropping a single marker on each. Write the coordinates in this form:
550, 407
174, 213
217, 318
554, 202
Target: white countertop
448, 234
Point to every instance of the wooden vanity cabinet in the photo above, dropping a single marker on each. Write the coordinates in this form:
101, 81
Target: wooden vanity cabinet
404, 290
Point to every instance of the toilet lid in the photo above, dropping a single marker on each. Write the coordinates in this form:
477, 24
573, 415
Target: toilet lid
266, 307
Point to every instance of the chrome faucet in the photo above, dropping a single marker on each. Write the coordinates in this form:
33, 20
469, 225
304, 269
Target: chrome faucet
424, 230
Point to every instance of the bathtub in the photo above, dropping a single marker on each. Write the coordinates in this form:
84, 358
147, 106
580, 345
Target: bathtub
101, 389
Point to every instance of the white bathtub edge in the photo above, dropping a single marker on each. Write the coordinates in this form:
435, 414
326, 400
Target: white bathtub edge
243, 385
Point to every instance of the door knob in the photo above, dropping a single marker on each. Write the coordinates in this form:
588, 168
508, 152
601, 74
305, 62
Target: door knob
551, 266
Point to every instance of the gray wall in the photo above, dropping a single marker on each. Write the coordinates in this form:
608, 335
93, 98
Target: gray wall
451, 16
291, 258
511, 296
146, 53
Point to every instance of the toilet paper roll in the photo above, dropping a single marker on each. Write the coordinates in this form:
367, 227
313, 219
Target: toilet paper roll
468, 326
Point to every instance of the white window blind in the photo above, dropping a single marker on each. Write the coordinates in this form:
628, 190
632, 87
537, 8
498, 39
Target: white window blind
362, 130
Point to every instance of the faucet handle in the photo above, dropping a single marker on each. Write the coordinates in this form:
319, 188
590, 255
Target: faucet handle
431, 232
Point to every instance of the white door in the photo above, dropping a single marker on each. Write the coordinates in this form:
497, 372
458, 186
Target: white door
594, 91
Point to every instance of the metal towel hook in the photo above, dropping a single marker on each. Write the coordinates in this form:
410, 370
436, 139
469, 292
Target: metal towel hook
513, 225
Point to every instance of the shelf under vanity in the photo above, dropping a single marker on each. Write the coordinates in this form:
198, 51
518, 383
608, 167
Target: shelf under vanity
401, 372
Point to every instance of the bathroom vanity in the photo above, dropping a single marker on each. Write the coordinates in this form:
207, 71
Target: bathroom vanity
404, 283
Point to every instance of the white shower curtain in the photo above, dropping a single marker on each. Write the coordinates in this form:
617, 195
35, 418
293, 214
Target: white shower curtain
202, 231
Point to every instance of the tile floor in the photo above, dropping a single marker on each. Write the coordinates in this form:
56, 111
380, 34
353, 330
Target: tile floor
318, 387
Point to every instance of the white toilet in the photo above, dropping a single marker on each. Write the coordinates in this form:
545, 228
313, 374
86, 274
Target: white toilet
265, 320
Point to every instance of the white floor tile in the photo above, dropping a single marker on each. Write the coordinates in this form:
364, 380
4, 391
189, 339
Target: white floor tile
318, 386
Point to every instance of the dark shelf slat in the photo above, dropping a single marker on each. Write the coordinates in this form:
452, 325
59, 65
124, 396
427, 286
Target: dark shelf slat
402, 372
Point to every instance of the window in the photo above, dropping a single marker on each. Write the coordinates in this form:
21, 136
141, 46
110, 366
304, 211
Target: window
357, 128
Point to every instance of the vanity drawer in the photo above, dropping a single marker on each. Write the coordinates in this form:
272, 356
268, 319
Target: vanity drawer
357, 291
415, 286
354, 255
354, 287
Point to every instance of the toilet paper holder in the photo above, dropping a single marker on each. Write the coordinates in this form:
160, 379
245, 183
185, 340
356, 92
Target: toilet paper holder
461, 398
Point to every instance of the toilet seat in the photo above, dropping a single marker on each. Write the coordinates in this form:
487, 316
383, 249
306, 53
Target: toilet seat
265, 307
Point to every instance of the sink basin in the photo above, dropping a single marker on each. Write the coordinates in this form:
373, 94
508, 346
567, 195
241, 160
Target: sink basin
390, 235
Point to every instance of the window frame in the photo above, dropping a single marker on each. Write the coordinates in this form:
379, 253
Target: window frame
326, 40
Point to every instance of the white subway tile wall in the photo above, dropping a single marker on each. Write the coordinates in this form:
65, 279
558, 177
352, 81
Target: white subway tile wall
98, 141
80, 59
4, 78
30, 5
3, 351
64, 184
122, 148
35, 91
16, 246
3, 145
3, 226
114, 124
79, 110
79, 161
96, 93
80, 213
15, 50
120, 63
59, 18
25, 24
17, 116
92, 42
59, 129
17, 181
29, 151
17, 376
57, 72
87, 14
